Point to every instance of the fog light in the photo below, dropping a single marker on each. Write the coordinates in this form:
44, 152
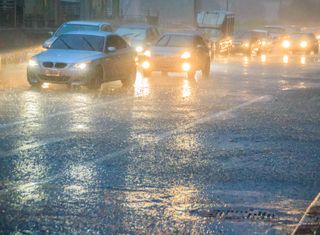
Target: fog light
186, 67
146, 65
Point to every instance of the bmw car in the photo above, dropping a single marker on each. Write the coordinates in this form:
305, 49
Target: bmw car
72, 26
85, 59
178, 52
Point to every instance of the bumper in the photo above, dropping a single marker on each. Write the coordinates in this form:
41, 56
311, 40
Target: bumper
60, 76
178, 65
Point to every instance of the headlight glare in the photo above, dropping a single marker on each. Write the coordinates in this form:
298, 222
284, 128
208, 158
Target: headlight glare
186, 67
286, 44
33, 63
303, 44
186, 55
147, 53
139, 49
81, 66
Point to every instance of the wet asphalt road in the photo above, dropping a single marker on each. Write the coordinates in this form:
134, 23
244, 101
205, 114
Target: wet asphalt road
238, 153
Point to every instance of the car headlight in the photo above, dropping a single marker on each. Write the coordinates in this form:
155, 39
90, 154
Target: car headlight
33, 63
263, 43
303, 44
246, 44
147, 53
139, 49
286, 44
186, 67
81, 66
186, 55
146, 65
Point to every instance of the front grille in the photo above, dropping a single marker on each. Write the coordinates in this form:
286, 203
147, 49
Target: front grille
60, 65
55, 78
47, 64
54, 65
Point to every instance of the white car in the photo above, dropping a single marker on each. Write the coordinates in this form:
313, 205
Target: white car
72, 26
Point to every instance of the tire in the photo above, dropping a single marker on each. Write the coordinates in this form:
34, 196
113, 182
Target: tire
96, 79
206, 69
33, 81
130, 80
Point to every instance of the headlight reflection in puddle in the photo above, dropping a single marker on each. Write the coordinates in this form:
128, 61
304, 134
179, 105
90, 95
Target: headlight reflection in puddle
141, 86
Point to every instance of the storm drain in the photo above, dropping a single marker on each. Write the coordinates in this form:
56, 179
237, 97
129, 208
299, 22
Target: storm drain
252, 214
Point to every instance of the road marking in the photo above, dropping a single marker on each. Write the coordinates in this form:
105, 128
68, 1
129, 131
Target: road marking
12, 124
212, 117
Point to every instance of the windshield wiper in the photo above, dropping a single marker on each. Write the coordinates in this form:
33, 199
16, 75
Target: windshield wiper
66, 44
89, 44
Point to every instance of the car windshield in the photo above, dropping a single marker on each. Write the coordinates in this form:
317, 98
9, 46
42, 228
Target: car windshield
132, 33
175, 41
66, 28
79, 42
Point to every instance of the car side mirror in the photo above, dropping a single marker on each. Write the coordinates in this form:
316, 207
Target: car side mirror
50, 34
199, 46
45, 46
111, 49
148, 44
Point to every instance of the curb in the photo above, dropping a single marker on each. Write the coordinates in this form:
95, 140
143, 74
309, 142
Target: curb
310, 222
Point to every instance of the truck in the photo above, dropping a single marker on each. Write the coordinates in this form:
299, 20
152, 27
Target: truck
218, 28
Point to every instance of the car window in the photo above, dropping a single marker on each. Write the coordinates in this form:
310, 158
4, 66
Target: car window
107, 28
66, 28
116, 42
132, 33
79, 42
175, 41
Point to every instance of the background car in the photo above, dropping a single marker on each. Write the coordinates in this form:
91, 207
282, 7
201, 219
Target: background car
72, 26
241, 42
300, 42
178, 52
139, 36
84, 58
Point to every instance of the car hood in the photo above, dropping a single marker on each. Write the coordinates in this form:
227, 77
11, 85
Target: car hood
68, 56
169, 51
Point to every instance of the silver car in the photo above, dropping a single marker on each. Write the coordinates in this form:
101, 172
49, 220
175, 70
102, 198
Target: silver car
84, 58
72, 26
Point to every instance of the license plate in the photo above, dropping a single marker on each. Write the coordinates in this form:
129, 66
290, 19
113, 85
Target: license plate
53, 73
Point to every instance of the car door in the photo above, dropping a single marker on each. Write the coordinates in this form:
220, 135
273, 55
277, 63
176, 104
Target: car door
110, 63
125, 57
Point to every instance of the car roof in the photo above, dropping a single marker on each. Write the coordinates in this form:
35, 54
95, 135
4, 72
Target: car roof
91, 33
186, 34
93, 23
141, 26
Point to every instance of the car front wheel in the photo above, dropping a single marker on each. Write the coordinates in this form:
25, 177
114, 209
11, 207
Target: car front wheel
96, 79
33, 80
130, 80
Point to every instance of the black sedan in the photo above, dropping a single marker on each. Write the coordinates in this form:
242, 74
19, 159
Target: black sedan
178, 52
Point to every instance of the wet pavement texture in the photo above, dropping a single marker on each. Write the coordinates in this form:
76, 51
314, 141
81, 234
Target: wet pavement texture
238, 153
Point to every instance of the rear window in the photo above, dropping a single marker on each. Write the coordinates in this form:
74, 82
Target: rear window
66, 28
175, 41
79, 42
